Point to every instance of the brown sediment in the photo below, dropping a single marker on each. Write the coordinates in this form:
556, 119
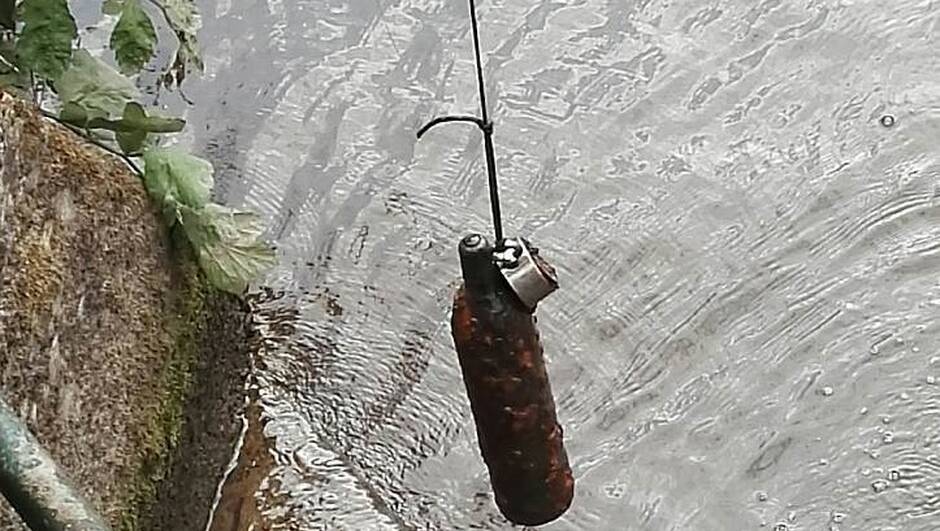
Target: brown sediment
238, 506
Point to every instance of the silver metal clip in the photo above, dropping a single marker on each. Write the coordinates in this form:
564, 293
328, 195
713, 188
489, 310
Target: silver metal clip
529, 276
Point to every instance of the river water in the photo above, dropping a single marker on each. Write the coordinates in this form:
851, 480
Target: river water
742, 199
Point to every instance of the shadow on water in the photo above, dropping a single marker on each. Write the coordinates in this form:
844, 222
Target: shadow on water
745, 334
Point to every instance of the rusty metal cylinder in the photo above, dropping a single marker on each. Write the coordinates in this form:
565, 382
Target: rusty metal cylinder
510, 395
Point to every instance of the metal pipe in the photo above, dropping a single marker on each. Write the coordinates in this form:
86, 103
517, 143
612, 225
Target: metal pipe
36, 486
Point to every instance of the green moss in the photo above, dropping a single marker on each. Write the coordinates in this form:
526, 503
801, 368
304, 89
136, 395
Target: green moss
186, 325
160, 344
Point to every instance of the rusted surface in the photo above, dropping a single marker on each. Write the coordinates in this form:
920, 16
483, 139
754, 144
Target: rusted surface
510, 395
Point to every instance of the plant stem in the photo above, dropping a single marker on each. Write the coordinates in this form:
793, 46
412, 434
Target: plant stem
162, 8
8, 64
81, 132
176, 32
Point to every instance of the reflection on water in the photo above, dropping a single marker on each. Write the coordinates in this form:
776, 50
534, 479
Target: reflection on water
746, 334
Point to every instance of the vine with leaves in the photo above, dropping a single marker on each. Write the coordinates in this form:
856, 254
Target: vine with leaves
40, 54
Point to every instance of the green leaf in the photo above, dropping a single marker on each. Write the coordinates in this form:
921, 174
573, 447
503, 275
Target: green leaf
75, 114
45, 44
183, 18
228, 245
132, 141
135, 118
8, 14
93, 84
173, 176
112, 7
133, 39
130, 131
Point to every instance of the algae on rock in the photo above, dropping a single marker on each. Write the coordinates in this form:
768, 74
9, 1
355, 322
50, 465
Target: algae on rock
105, 321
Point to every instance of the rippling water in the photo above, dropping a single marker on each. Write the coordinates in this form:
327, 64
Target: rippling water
746, 336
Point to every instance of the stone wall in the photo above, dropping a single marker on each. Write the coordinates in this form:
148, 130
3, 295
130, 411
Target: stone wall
113, 350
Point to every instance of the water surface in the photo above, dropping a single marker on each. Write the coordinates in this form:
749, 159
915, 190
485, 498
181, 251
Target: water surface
746, 334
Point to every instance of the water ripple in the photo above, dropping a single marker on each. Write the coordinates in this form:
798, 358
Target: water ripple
745, 334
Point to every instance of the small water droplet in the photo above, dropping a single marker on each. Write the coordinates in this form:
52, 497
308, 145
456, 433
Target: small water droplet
879, 485
866, 471
823, 462
915, 349
864, 411
827, 391
837, 517
898, 340
931, 380
781, 527
894, 474
905, 396
887, 120
886, 420
888, 437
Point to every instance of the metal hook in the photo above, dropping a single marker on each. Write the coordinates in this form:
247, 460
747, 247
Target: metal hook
484, 124
453, 118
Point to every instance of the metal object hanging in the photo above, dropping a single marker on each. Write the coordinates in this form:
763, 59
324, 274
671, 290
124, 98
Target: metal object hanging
501, 356
529, 276
506, 378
